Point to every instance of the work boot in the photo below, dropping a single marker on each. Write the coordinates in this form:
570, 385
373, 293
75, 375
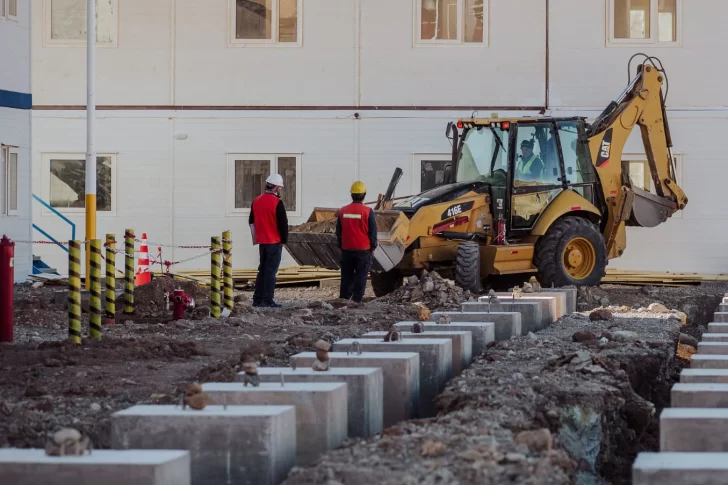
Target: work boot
272, 304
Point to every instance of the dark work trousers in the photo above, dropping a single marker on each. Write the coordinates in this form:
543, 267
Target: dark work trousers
355, 267
265, 283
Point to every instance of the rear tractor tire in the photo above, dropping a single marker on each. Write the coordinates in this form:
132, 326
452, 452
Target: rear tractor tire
386, 283
467, 266
572, 252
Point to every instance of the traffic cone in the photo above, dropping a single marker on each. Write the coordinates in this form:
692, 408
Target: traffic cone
143, 276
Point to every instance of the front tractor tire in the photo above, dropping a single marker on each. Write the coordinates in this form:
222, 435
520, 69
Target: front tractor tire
386, 283
467, 266
572, 252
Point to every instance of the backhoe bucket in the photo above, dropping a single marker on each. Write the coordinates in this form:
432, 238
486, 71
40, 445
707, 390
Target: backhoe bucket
650, 210
314, 242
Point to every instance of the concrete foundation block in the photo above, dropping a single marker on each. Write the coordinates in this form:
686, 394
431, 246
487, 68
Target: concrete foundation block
435, 363
462, 345
715, 337
571, 295
725, 299
704, 376
107, 467
364, 386
483, 332
694, 429
401, 372
321, 410
713, 348
699, 396
532, 316
240, 444
675, 468
507, 324
705, 361
717, 327
558, 306
723, 308
721, 317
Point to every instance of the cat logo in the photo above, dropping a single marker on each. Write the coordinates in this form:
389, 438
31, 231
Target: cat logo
605, 150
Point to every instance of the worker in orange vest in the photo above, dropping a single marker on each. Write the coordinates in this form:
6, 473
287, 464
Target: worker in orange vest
356, 233
269, 228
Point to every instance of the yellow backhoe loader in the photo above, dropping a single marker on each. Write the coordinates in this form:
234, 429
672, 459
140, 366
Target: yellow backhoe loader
558, 209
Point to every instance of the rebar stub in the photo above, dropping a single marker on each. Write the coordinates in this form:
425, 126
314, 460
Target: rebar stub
418, 328
354, 344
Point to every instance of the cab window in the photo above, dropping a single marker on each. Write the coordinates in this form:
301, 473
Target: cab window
537, 162
577, 159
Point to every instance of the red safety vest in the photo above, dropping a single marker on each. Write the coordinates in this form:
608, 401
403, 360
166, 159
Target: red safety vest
264, 218
354, 226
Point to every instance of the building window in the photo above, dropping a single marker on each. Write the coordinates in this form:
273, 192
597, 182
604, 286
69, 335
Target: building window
67, 182
638, 169
248, 174
265, 22
644, 21
9, 9
9, 178
65, 22
451, 22
430, 171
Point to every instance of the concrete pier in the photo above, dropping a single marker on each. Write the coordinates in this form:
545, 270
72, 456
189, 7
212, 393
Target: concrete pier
713, 348
462, 345
401, 378
435, 363
105, 467
694, 429
240, 444
364, 386
704, 376
699, 396
717, 327
674, 468
321, 410
705, 361
559, 302
506, 324
721, 317
483, 332
715, 337
532, 315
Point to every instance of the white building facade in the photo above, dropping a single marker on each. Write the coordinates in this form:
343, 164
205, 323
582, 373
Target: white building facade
196, 105
15, 131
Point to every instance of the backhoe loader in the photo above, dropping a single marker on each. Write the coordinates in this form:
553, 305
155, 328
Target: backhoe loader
559, 210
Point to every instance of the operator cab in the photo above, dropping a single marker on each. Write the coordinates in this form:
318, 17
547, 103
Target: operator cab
527, 162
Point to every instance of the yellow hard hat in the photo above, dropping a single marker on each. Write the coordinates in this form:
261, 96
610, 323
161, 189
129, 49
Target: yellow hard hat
358, 187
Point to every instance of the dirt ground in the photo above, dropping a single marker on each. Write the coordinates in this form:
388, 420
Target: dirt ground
594, 398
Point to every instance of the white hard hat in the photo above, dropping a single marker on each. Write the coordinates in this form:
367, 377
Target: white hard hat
274, 179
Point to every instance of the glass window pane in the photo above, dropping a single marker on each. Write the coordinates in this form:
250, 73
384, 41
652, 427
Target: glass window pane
253, 19
288, 21
68, 183
439, 20
667, 18
577, 158
2, 8
474, 20
631, 19
13, 8
287, 170
434, 173
250, 178
68, 20
537, 162
638, 173
13, 182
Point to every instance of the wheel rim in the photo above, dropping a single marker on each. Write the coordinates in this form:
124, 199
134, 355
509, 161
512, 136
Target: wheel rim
579, 258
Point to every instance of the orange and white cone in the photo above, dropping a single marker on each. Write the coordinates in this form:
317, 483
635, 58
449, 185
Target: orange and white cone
143, 276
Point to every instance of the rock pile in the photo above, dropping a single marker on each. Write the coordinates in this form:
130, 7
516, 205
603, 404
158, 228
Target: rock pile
436, 292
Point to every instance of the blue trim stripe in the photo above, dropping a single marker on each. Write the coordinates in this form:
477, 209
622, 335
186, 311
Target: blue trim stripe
12, 99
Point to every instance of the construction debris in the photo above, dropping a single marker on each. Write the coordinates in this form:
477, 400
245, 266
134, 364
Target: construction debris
431, 290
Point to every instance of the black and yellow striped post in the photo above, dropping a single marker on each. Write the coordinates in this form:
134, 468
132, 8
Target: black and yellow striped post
227, 262
129, 271
215, 277
94, 302
110, 279
74, 291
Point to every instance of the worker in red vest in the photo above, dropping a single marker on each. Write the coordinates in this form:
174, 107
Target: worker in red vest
356, 232
269, 228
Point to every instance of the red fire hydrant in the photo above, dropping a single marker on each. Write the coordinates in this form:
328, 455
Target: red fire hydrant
181, 301
7, 280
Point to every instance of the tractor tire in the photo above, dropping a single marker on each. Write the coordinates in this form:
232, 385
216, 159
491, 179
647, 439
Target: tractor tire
386, 283
467, 266
572, 252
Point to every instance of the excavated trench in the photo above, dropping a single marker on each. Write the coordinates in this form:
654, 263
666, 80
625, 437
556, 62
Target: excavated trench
572, 404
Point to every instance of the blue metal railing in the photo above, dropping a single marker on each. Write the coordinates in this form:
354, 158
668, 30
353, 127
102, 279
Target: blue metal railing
66, 219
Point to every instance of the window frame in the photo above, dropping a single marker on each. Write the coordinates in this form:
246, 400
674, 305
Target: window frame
273, 160
642, 157
5, 10
5, 151
273, 42
417, 159
459, 42
46, 158
612, 41
48, 41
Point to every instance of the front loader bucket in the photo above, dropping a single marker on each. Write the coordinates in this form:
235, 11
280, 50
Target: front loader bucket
314, 242
650, 210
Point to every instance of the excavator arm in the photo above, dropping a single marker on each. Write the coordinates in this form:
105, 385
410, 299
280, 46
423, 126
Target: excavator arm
643, 104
